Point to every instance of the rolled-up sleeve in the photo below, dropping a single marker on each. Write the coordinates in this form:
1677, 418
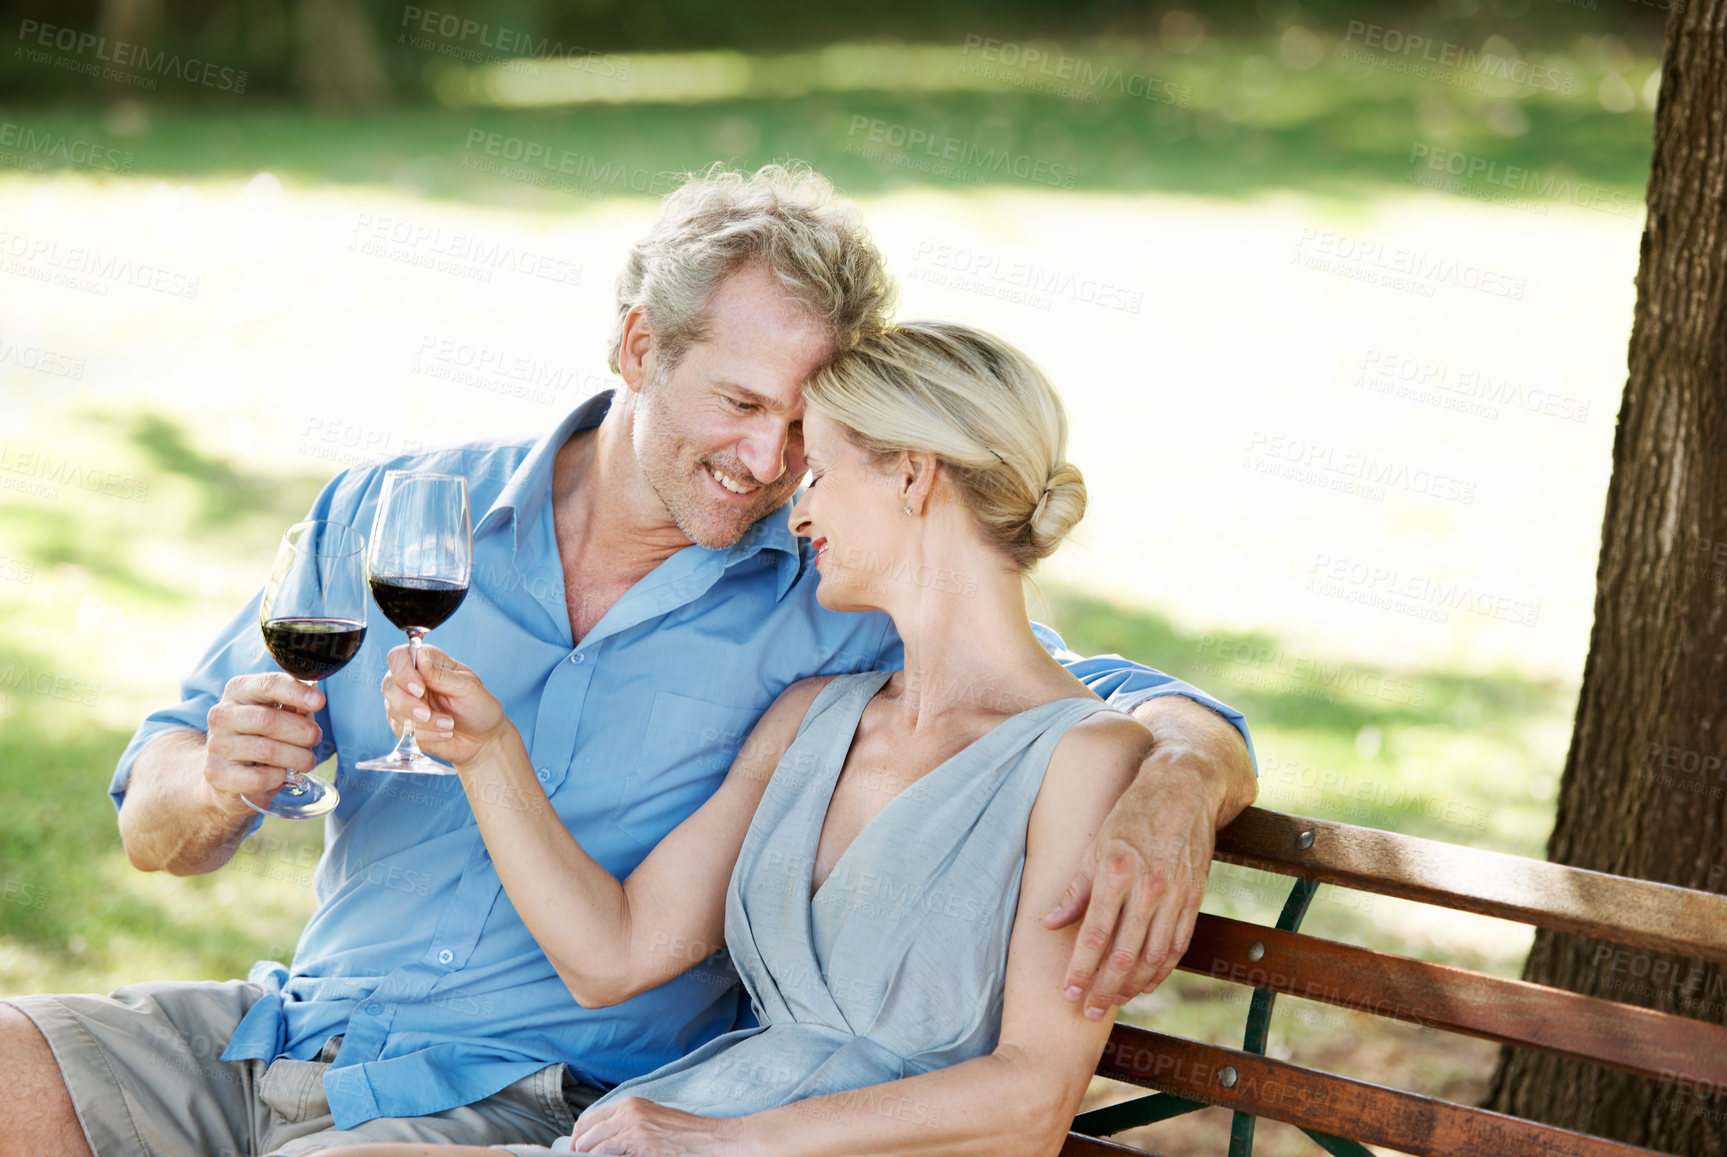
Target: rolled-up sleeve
1124, 684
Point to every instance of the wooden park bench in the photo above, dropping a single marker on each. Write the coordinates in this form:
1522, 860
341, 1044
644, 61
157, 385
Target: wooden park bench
1338, 1112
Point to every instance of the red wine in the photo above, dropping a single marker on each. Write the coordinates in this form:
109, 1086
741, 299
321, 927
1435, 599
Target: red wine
417, 602
313, 648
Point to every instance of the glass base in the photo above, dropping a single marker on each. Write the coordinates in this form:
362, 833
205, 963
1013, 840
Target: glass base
415, 764
308, 799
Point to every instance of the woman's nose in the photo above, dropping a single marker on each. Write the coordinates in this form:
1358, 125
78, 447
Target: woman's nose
798, 521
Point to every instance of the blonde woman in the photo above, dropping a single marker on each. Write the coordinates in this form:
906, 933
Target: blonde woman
880, 855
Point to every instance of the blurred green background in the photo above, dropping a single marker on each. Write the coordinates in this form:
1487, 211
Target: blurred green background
1338, 296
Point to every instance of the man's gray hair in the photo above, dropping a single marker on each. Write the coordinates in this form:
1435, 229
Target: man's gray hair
786, 217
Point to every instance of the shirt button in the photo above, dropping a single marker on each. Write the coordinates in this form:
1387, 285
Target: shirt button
446, 956
544, 774
577, 657
374, 1009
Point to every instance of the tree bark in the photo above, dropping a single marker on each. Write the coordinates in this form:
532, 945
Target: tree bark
337, 63
132, 21
1644, 791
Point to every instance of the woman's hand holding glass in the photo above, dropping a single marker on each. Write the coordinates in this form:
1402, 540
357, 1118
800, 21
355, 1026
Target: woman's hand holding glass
455, 717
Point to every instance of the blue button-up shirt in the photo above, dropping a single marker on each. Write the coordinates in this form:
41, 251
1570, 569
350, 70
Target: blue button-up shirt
415, 955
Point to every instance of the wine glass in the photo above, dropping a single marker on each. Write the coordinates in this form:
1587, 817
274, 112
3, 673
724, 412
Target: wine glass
418, 567
313, 616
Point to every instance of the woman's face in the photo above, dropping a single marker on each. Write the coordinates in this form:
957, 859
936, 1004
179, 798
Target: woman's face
852, 514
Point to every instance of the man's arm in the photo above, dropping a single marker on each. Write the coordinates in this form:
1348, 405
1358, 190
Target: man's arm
240, 725
182, 809
1144, 877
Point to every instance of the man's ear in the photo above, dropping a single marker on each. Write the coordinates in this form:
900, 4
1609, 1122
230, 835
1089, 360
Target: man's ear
915, 473
636, 350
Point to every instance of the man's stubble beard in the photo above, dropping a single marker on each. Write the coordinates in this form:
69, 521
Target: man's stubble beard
675, 487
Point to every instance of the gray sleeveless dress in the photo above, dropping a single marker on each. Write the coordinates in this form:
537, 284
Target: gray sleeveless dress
896, 966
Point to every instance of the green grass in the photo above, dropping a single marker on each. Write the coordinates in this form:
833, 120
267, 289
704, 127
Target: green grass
1241, 118
78, 916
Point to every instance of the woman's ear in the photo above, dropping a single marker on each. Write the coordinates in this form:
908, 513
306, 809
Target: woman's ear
916, 473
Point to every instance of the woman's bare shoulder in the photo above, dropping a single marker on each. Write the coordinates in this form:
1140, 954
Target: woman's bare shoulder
1092, 765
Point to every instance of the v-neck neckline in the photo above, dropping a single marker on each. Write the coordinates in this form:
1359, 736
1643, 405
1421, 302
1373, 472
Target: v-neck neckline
839, 769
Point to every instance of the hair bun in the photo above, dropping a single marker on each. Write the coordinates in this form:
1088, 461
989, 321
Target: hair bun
1059, 508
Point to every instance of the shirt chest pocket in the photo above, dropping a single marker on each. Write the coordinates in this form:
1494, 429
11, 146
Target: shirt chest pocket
685, 754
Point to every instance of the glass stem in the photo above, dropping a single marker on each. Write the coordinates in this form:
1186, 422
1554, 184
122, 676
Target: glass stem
295, 783
415, 634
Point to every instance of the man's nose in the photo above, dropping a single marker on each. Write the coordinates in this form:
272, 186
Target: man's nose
764, 452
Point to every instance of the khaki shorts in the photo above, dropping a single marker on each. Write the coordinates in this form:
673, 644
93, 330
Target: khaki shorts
144, 1070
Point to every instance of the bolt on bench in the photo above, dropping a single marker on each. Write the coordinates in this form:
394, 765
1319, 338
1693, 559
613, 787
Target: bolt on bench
1339, 1113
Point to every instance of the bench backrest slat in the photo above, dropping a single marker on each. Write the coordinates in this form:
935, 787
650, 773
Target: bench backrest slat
1640, 913
1639, 1040
1369, 1113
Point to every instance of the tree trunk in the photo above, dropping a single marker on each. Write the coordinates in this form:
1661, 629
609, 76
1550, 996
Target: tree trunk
1645, 787
132, 21
337, 63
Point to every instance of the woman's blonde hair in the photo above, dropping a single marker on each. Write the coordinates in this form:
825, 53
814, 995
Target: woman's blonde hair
787, 218
982, 407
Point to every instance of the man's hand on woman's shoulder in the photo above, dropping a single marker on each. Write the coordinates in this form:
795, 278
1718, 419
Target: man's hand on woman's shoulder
1143, 877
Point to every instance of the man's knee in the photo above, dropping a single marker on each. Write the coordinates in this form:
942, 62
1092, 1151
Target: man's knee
36, 1115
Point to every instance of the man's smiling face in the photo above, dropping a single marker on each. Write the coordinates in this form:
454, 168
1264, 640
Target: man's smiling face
720, 437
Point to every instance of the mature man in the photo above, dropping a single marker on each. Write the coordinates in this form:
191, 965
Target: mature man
637, 602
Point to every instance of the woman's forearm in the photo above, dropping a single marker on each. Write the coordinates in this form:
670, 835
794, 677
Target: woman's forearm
1002, 1105
576, 910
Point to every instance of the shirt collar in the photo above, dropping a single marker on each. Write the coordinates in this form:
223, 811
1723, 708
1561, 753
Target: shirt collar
530, 485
